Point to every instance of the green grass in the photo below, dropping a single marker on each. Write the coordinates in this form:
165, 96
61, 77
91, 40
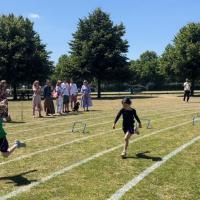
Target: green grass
178, 178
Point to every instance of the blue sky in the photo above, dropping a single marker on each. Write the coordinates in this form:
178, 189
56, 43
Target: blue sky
150, 24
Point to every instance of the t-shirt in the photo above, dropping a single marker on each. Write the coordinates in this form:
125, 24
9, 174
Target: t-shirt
2, 132
187, 86
73, 89
66, 88
128, 117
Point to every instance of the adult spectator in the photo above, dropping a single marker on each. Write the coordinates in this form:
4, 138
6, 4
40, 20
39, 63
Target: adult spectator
48, 99
4, 102
86, 100
187, 90
59, 97
37, 106
73, 93
66, 95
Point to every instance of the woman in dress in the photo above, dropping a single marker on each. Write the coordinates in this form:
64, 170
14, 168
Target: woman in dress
86, 100
48, 99
37, 98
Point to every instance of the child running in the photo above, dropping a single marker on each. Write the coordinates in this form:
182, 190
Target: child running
128, 114
4, 146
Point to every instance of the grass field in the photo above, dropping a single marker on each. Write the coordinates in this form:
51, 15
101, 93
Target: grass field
58, 164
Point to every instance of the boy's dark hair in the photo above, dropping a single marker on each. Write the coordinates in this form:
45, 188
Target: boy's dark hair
126, 100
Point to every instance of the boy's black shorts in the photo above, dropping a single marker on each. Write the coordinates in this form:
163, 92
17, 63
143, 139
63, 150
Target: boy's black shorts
128, 129
4, 145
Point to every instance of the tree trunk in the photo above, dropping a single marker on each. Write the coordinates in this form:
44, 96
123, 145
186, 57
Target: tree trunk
98, 88
192, 87
14, 92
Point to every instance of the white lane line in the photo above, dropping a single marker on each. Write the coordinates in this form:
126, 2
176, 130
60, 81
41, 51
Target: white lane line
59, 123
65, 131
119, 193
57, 146
92, 125
79, 163
74, 116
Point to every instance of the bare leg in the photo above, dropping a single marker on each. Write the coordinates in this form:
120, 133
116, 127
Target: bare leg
126, 139
10, 151
34, 111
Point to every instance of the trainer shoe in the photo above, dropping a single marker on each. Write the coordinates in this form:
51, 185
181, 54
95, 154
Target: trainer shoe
123, 154
20, 144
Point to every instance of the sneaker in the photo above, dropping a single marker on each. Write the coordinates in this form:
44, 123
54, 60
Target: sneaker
20, 144
123, 154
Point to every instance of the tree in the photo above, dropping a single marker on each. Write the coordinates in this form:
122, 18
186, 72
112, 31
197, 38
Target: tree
146, 69
99, 49
182, 58
65, 69
23, 57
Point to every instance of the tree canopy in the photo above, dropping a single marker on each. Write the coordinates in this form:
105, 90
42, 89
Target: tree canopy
146, 69
99, 50
182, 58
23, 57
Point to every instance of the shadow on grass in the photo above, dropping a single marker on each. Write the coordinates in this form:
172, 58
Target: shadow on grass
143, 155
15, 122
122, 96
19, 179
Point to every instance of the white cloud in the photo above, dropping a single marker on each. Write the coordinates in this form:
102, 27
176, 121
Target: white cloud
34, 16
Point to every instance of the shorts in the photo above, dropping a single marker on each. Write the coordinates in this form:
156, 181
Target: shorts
4, 145
65, 99
129, 129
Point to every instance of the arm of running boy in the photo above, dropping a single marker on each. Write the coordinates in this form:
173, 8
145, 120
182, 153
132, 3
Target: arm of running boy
117, 118
138, 119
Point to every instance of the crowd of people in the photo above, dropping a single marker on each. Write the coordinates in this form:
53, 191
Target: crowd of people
66, 95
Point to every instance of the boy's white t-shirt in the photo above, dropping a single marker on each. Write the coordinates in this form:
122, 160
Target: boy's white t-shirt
73, 89
187, 86
66, 88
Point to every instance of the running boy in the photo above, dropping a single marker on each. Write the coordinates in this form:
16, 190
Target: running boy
4, 147
128, 114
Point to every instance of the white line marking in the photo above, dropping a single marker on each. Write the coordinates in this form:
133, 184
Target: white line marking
59, 123
66, 131
55, 147
92, 125
74, 116
119, 193
77, 164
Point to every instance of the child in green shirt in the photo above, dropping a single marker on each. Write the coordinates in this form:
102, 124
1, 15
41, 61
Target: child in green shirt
4, 146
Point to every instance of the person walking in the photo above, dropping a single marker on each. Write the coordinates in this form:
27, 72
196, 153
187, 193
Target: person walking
187, 90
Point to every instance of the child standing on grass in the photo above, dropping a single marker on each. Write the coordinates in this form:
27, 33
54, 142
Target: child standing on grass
129, 114
4, 147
